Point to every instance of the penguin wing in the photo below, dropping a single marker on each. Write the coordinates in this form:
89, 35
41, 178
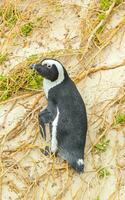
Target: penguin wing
47, 116
44, 118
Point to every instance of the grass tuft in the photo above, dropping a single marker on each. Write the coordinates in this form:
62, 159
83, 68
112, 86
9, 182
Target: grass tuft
33, 80
32, 58
20, 80
3, 58
4, 92
119, 119
105, 4
102, 145
103, 173
100, 29
97, 198
101, 16
26, 29
10, 15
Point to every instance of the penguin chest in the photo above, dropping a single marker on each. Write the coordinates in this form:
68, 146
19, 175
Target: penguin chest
54, 142
46, 87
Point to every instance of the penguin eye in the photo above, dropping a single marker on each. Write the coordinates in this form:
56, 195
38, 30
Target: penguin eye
49, 66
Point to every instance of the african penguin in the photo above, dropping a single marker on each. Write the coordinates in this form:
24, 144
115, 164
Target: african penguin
66, 113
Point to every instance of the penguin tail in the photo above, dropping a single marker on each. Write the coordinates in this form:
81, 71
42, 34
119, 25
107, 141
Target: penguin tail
74, 160
78, 165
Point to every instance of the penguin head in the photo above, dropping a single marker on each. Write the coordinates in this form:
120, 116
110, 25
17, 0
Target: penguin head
50, 69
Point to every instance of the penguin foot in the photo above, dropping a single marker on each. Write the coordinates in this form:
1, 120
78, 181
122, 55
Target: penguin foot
46, 151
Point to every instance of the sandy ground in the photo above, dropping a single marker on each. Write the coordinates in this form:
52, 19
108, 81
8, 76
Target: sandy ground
26, 173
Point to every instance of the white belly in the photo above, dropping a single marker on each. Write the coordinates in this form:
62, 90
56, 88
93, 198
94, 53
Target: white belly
47, 84
54, 141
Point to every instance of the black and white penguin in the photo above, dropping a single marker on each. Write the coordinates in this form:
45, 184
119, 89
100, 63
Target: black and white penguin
65, 112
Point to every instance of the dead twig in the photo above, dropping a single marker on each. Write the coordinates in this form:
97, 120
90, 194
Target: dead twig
96, 69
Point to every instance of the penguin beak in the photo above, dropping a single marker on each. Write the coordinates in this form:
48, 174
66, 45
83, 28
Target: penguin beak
32, 66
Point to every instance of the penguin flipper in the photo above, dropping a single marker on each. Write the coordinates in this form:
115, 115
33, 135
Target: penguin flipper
44, 118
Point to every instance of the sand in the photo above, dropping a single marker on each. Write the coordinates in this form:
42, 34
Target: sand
25, 172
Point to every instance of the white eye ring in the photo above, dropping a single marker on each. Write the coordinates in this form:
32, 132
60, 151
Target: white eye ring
49, 66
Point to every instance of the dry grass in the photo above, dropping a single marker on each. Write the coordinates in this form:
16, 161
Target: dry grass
28, 174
